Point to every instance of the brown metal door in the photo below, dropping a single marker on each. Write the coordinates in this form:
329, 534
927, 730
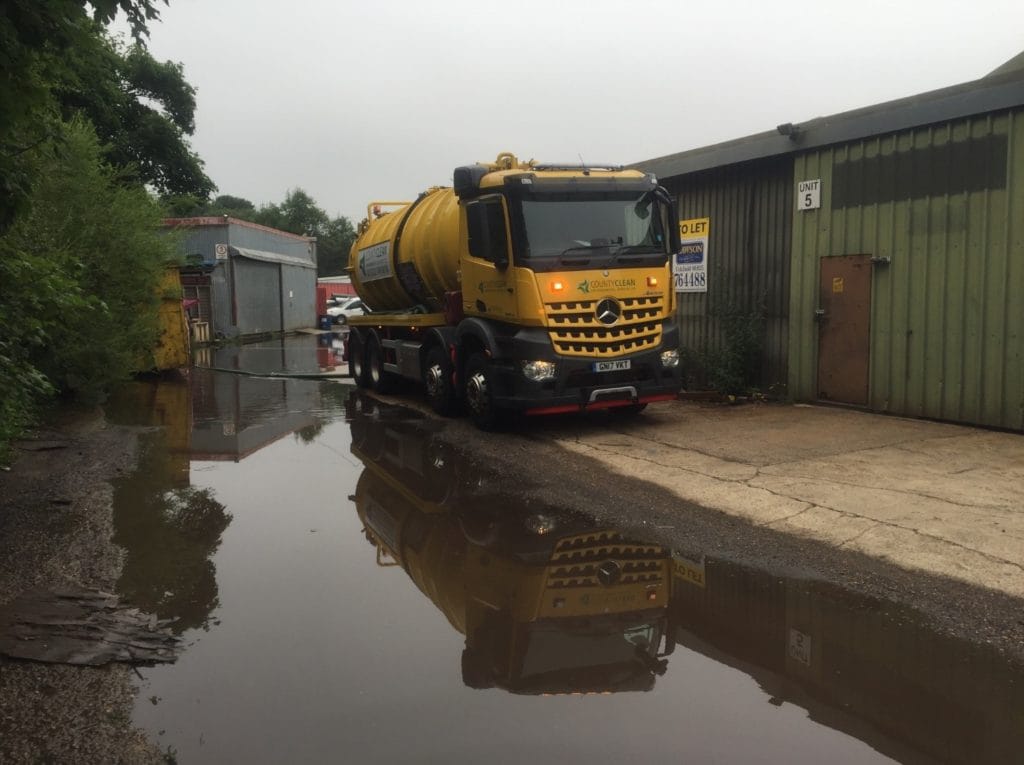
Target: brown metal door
844, 326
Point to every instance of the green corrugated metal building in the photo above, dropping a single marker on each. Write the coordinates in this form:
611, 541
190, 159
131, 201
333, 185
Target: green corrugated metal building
884, 247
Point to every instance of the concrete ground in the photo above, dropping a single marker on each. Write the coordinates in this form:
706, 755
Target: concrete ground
938, 498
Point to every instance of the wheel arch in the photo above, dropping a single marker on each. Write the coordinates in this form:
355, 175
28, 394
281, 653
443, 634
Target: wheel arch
473, 335
443, 337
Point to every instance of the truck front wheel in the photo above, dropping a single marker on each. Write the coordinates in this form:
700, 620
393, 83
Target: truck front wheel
437, 379
479, 393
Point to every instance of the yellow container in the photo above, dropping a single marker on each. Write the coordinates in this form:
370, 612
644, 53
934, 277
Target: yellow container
409, 256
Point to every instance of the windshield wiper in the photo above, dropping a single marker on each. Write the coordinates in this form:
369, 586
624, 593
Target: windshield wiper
637, 252
646, 249
584, 248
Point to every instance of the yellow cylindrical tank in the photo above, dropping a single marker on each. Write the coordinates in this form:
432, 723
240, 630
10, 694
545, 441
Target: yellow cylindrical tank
410, 256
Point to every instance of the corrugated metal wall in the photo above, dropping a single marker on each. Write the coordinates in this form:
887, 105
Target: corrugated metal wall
199, 242
257, 296
748, 255
298, 297
946, 204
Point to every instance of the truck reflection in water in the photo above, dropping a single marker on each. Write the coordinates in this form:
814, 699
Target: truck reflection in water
548, 602
551, 603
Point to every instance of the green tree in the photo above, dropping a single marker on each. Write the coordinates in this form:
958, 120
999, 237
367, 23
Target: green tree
189, 206
142, 110
333, 246
233, 207
298, 213
35, 35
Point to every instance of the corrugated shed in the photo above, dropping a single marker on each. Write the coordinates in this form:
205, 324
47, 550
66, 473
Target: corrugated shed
263, 280
945, 203
748, 256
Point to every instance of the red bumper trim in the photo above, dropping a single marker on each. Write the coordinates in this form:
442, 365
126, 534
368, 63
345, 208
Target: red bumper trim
565, 408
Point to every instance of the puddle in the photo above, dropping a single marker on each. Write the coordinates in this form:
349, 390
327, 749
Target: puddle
313, 355
349, 587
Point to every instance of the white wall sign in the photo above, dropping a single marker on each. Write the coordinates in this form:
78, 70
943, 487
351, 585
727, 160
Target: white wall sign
220, 251
375, 262
690, 264
808, 195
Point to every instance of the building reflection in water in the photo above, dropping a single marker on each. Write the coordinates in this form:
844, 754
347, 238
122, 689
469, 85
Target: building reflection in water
549, 602
236, 415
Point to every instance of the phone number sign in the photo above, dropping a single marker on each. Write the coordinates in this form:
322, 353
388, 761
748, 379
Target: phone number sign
690, 264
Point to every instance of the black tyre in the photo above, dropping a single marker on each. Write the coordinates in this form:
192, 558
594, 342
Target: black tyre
475, 672
380, 380
478, 393
437, 380
357, 360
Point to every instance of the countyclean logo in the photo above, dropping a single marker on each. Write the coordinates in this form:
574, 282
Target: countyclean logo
605, 285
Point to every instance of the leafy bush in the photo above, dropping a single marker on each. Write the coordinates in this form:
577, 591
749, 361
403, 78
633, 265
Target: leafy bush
78, 273
734, 367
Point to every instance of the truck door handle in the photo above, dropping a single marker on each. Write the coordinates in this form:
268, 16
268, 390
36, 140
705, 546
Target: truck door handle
819, 314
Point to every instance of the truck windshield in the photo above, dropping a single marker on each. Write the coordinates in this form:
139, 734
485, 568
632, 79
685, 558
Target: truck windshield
591, 230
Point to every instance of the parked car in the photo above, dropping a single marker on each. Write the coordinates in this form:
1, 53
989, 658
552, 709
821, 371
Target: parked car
345, 307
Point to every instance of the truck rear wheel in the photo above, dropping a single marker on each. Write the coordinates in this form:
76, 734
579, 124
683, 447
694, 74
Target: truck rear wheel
479, 393
357, 360
437, 379
380, 380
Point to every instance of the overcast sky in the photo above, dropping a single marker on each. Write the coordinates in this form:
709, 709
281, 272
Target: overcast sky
357, 101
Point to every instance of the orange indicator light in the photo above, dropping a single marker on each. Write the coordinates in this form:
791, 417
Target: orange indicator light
557, 286
652, 281
652, 594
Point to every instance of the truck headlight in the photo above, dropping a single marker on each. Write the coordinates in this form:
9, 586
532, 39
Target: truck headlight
670, 359
538, 370
540, 524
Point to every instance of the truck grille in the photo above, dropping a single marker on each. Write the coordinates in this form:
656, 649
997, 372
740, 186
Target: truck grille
576, 561
576, 331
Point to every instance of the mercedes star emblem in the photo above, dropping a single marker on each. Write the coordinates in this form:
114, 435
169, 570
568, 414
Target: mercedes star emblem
608, 311
608, 573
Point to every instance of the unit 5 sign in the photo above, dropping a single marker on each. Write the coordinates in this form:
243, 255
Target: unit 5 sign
808, 195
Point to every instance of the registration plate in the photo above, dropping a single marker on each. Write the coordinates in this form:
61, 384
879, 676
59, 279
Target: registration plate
611, 366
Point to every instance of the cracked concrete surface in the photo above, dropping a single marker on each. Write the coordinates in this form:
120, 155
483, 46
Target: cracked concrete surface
939, 498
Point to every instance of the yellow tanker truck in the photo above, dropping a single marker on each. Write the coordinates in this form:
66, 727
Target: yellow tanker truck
548, 602
526, 287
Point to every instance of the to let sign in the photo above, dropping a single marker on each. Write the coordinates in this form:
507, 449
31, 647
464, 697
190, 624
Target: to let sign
808, 195
690, 264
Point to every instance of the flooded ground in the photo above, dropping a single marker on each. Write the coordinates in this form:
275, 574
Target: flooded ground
351, 587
